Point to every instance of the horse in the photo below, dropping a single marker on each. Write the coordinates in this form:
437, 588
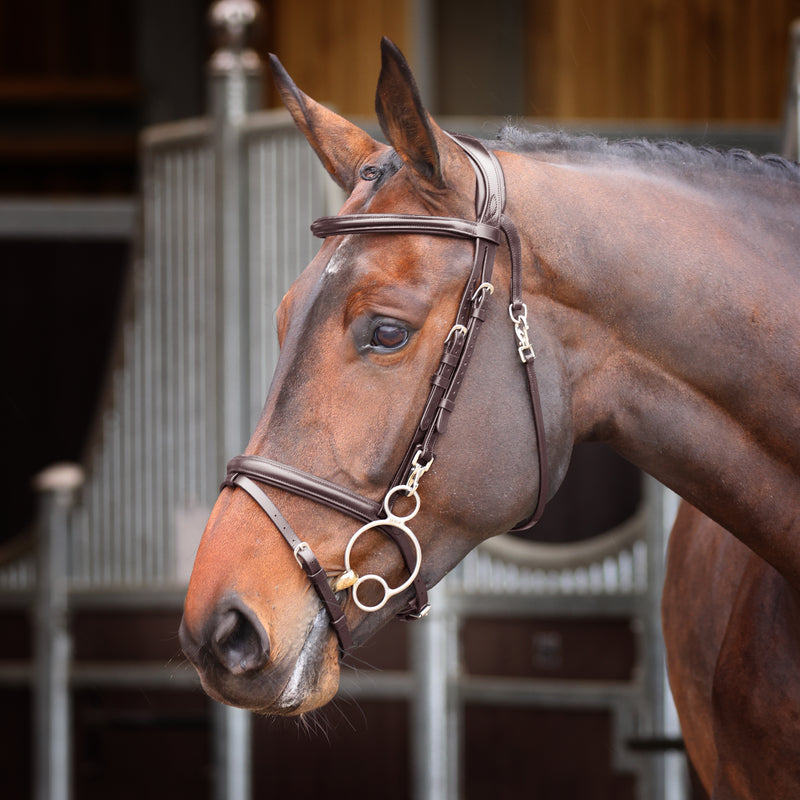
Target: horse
475, 310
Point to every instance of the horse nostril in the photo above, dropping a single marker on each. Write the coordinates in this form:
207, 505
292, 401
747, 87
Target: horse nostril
239, 641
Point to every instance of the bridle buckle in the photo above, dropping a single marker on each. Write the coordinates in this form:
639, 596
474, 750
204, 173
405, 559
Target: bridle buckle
481, 292
454, 331
296, 553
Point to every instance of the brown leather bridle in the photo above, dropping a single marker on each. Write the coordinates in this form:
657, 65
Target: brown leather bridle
488, 231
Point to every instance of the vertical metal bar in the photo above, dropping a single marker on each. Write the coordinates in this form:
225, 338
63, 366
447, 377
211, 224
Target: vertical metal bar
107, 477
235, 88
208, 317
232, 752
435, 705
651, 649
144, 311
137, 452
96, 500
213, 378
175, 357
192, 421
253, 274
676, 770
168, 384
123, 466
140, 426
275, 266
155, 489
667, 781
57, 487
114, 556
124, 457
259, 272
177, 375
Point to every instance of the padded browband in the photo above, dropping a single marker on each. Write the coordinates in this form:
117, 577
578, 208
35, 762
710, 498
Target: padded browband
405, 223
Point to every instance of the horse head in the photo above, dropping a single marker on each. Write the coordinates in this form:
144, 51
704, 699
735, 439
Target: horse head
362, 331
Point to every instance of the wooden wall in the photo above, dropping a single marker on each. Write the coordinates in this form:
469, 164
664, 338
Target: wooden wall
637, 59
671, 59
331, 48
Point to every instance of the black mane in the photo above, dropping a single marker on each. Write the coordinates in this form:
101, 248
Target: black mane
680, 155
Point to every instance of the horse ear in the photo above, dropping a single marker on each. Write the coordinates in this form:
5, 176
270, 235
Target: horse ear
408, 127
341, 146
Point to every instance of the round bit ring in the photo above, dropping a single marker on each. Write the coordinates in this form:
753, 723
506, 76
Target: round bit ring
395, 521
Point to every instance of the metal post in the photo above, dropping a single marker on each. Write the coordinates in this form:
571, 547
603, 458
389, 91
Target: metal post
57, 487
435, 706
232, 753
668, 773
791, 117
654, 679
235, 89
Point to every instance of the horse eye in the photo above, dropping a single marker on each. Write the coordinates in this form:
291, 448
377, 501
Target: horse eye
389, 337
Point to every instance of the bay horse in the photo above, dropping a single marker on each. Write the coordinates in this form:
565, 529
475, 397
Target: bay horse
636, 294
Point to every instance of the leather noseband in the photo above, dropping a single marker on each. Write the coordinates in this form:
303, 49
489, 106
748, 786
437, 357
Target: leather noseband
245, 472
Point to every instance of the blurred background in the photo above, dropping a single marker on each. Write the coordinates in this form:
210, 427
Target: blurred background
88, 89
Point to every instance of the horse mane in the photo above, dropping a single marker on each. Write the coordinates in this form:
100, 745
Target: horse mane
677, 154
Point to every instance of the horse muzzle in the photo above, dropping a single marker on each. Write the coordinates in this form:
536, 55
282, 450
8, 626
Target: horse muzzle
235, 659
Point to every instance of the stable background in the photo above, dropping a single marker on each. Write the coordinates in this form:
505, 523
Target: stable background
78, 80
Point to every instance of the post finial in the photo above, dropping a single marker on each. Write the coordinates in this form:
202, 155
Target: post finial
235, 25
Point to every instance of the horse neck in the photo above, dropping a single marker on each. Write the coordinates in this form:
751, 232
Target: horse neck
676, 310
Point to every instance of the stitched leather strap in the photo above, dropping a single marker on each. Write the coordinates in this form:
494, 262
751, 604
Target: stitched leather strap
491, 199
404, 223
304, 555
515, 248
297, 481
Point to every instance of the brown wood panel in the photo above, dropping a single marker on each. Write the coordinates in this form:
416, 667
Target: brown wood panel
356, 749
113, 635
332, 47
676, 59
566, 649
549, 754
141, 743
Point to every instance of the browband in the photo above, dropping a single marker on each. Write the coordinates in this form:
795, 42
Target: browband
404, 223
